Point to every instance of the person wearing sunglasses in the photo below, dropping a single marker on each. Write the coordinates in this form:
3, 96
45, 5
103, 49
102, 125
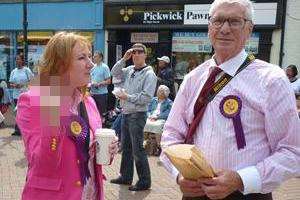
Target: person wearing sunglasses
139, 83
239, 111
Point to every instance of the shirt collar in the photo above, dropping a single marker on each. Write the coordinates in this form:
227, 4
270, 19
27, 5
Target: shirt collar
232, 65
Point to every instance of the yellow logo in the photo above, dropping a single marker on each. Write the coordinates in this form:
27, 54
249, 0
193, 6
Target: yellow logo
76, 128
125, 13
231, 106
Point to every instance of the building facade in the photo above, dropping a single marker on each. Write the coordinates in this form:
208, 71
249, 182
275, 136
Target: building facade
291, 42
45, 18
178, 29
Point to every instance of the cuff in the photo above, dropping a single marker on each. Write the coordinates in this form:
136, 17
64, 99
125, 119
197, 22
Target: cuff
130, 98
122, 61
174, 173
251, 180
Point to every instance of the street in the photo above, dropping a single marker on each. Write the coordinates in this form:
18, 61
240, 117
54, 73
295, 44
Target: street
13, 170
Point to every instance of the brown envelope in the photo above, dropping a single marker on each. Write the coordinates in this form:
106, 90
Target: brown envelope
189, 161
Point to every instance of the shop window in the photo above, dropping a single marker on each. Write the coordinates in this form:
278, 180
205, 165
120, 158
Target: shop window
37, 41
4, 55
189, 49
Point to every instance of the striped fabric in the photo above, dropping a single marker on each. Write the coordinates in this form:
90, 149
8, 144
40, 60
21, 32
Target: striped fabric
269, 119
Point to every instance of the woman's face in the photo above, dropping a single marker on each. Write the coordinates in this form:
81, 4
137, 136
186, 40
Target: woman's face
161, 94
80, 66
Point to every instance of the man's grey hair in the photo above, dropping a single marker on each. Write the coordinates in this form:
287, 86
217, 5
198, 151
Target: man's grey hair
246, 3
165, 89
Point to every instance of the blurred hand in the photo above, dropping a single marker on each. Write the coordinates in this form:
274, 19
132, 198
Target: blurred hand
190, 188
95, 85
225, 183
123, 95
128, 54
153, 118
114, 146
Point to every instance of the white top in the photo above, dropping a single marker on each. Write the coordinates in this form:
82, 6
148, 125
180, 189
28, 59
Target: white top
296, 86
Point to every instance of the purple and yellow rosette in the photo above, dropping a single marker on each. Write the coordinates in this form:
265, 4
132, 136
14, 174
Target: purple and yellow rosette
78, 130
230, 107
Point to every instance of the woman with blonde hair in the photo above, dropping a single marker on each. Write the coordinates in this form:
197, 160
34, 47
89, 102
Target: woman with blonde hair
58, 119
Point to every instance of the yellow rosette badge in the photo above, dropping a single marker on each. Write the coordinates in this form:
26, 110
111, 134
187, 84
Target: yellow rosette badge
76, 128
231, 106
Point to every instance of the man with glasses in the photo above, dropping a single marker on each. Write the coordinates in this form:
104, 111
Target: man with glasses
239, 111
139, 87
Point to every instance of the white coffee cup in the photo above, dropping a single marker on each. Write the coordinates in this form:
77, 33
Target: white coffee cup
104, 138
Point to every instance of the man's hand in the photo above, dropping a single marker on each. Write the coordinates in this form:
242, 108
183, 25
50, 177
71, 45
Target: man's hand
225, 183
95, 85
123, 95
190, 188
128, 54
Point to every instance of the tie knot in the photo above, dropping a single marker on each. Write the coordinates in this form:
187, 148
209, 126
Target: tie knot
214, 71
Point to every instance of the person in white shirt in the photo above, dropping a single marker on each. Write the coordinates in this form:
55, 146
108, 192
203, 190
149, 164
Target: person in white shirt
292, 72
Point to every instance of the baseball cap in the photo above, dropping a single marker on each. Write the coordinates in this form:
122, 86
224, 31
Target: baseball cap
165, 59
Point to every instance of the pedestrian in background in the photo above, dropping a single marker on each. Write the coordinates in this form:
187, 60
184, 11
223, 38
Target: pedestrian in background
100, 79
292, 73
58, 120
247, 127
138, 90
19, 80
165, 75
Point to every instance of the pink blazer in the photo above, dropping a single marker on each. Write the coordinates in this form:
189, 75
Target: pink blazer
53, 171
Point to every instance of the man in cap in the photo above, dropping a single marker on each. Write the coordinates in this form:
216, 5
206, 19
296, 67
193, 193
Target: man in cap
165, 74
239, 111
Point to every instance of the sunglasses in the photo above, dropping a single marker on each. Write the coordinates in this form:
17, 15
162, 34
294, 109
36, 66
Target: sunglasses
138, 51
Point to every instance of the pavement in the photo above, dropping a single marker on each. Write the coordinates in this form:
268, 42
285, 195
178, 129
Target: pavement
13, 168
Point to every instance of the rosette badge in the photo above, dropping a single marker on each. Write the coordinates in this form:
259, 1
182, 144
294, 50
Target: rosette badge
230, 107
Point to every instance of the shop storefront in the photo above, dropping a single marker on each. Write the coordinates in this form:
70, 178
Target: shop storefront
179, 30
45, 18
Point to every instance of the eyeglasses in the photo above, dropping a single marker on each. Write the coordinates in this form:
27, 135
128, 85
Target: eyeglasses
137, 51
234, 22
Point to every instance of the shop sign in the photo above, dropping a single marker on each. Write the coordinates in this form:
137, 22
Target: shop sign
162, 17
144, 37
35, 53
191, 42
197, 14
143, 15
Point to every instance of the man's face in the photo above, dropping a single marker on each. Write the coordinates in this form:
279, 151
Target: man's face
162, 64
138, 56
289, 73
19, 61
229, 38
97, 58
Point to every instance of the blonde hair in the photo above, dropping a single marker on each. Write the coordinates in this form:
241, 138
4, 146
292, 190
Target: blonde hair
57, 56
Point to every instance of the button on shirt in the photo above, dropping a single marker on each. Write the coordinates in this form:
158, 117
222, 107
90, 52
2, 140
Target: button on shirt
269, 119
100, 73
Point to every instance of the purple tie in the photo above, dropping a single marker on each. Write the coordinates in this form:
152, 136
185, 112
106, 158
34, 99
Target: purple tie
201, 103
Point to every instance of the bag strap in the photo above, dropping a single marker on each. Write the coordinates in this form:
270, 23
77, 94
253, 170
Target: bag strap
226, 78
83, 113
220, 84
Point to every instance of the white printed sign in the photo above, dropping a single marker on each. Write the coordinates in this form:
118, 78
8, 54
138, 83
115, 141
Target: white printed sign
197, 14
144, 37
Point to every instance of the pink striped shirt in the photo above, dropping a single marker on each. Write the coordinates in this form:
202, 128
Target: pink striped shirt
269, 118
